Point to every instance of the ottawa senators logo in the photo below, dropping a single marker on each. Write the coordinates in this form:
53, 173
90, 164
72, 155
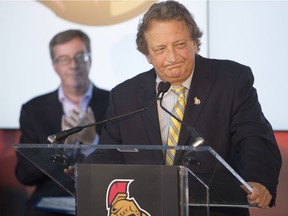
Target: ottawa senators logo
119, 202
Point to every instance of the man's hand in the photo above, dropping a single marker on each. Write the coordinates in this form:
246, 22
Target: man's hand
260, 196
76, 118
69, 171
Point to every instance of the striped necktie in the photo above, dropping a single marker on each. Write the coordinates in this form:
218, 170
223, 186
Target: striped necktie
174, 128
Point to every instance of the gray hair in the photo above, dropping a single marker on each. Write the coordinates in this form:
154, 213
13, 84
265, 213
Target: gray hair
165, 11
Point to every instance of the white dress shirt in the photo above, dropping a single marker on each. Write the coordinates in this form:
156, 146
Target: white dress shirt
169, 101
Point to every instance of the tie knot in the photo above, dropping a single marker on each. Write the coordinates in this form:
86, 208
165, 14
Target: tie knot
179, 89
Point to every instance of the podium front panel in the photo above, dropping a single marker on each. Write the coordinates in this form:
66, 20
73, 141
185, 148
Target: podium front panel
147, 189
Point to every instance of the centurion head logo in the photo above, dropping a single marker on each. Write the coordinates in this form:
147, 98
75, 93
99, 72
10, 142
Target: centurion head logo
119, 202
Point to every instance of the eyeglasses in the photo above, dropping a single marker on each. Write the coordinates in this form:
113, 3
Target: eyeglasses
66, 60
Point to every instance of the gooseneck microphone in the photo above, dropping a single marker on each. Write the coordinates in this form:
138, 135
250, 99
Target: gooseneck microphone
198, 139
62, 135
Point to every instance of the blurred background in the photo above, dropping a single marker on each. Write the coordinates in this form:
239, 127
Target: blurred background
252, 32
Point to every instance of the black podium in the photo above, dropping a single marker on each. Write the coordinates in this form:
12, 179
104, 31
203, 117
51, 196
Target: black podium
135, 185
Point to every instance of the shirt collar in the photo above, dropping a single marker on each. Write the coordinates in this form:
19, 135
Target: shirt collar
86, 97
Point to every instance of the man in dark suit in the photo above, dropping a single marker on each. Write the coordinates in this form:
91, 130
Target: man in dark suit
221, 103
77, 101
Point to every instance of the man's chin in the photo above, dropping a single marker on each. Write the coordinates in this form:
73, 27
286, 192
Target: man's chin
176, 77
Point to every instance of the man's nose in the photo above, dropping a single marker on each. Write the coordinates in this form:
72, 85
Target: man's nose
171, 55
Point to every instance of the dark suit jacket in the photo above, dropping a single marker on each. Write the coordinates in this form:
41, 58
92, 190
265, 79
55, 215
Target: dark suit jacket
229, 118
39, 118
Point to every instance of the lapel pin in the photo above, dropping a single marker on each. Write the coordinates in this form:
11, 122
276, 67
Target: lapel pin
196, 101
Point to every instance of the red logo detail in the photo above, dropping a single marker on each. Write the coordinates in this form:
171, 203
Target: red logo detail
119, 202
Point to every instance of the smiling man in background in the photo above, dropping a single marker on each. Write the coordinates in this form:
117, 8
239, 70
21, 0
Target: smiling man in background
77, 101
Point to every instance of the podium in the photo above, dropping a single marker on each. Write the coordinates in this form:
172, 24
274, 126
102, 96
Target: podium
134, 179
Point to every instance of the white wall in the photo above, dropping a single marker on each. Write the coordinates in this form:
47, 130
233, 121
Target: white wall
26, 29
255, 33
250, 32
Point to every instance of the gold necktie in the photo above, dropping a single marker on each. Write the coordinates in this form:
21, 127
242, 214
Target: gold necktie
175, 126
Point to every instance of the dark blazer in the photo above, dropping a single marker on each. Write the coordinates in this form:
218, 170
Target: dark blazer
229, 118
39, 118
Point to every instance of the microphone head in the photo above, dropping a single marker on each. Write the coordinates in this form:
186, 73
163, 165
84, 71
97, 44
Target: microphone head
163, 87
52, 138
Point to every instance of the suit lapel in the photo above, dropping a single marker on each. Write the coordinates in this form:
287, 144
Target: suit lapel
146, 97
201, 84
96, 103
54, 113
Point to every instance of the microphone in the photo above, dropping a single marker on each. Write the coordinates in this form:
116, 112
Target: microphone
62, 135
198, 139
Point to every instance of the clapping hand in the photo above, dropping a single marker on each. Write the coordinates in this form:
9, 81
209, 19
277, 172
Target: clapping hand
78, 117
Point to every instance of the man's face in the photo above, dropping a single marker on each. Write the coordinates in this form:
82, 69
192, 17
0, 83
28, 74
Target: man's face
72, 64
170, 50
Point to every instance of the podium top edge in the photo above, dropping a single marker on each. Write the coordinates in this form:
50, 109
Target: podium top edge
118, 147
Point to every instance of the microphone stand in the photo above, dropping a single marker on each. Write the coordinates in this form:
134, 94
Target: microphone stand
62, 135
62, 158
